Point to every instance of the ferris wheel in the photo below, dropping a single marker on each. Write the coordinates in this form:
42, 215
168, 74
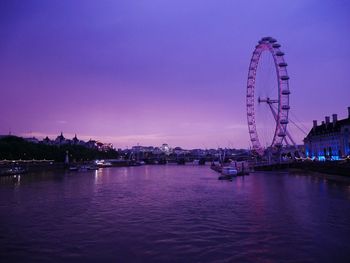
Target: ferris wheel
268, 97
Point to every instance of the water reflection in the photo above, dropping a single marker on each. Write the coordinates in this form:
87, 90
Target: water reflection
17, 180
178, 213
98, 176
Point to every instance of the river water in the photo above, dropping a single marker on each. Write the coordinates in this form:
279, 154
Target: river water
173, 213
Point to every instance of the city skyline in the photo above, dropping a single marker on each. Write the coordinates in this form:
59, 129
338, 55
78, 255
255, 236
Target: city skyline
163, 72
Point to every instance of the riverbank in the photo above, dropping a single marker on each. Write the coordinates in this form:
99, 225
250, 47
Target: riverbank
21, 167
331, 168
17, 167
32, 166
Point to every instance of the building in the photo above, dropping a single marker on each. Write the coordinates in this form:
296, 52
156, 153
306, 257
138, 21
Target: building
47, 141
104, 147
75, 140
165, 148
91, 144
330, 140
60, 140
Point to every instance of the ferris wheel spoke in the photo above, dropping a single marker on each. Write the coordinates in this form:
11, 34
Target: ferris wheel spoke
267, 100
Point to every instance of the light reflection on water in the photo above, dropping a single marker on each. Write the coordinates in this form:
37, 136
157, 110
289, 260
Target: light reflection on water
173, 213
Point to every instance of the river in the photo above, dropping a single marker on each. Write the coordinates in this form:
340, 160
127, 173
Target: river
173, 213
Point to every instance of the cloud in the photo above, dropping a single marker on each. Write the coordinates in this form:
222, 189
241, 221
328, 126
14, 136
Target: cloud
61, 122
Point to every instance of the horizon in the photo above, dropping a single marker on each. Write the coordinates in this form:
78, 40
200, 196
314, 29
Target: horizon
163, 72
52, 137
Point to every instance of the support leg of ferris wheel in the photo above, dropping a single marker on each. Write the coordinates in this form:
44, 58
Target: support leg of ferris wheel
286, 141
287, 132
270, 102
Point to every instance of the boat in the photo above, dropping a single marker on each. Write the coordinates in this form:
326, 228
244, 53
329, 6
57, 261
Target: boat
107, 164
83, 168
229, 170
73, 168
92, 167
103, 163
195, 162
227, 173
17, 170
137, 163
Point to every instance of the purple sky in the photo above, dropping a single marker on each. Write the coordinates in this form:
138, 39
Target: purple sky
158, 71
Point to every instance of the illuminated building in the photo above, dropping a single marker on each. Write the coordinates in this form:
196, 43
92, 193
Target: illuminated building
165, 148
330, 140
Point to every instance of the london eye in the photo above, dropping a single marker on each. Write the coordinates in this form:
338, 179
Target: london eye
267, 98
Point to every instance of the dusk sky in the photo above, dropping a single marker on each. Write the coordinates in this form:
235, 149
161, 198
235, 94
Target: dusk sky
163, 71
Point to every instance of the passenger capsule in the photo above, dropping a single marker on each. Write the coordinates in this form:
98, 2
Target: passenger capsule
285, 107
276, 45
272, 40
285, 92
284, 121
284, 78
266, 38
279, 53
282, 64
281, 134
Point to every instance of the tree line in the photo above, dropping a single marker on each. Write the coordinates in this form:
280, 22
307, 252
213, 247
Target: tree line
15, 148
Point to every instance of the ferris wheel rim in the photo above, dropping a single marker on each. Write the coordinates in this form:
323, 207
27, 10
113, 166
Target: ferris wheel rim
268, 44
